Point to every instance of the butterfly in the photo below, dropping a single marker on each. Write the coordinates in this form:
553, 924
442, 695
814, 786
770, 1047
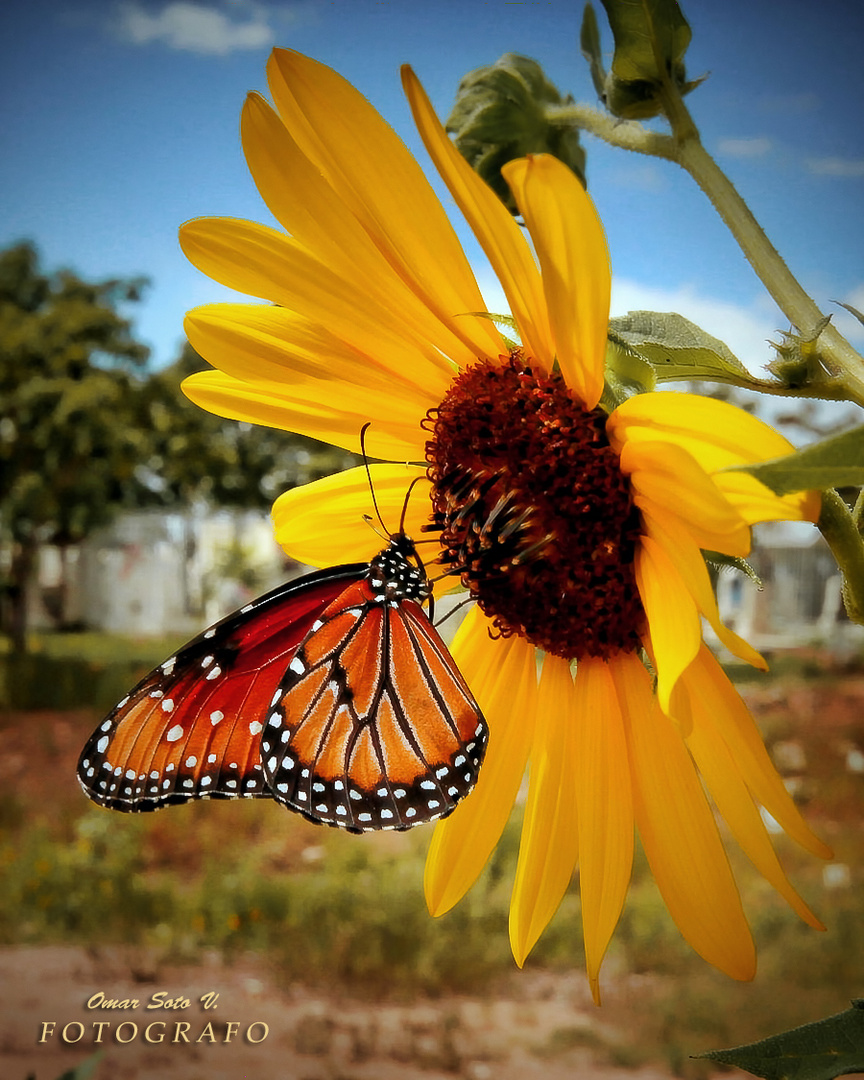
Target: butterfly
333, 694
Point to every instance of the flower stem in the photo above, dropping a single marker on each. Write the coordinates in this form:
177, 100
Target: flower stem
840, 530
684, 146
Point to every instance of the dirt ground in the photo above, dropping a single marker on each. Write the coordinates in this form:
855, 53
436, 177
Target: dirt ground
308, 1036
534, 1025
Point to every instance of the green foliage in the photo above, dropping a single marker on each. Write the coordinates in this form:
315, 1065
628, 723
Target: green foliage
675, 348
82, 1071
193, 454
33, 680
507, 110
651, 38
818, 1051
85, 432
67, 444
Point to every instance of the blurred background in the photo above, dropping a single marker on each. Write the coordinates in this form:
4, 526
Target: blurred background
129, 520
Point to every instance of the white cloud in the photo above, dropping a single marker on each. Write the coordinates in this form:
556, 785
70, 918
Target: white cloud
836, 166
756, 146
192, 27
643, 176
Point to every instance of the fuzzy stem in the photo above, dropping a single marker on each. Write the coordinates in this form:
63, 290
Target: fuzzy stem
685, 148
838, 527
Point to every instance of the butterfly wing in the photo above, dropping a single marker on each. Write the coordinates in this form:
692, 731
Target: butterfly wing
373, 726
192, 727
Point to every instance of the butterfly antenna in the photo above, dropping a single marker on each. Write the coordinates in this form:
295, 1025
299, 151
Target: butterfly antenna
363, 431
411, 486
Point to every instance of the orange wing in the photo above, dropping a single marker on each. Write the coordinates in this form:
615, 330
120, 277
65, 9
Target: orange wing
373, 726
192, 727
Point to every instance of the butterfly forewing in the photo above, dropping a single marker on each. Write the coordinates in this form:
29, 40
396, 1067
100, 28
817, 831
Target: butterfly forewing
373, 727
192, 727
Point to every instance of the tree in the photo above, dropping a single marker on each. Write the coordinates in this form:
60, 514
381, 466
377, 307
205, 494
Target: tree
196, 455
68, 447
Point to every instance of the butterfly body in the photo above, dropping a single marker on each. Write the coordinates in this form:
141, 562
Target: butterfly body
333, 694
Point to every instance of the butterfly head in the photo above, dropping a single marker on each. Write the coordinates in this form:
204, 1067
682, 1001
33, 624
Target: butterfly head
394, 577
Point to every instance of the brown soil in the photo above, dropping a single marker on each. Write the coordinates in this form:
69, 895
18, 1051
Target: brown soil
546, 1027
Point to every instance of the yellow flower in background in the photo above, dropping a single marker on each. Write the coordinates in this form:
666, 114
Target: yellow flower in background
578, 533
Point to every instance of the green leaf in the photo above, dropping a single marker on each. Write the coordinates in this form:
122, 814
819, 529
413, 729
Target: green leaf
819, 1051
628, 366
834, 462
651, 38
677, 348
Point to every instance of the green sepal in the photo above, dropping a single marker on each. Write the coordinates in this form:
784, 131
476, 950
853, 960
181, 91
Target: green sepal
798, 362
831, 463
651, 38
677, 349
501, 320
592, 49
509, 109
819, 1051
852, 311
716, 560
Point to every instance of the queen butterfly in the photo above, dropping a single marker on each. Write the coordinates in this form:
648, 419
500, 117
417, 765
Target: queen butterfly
333, 694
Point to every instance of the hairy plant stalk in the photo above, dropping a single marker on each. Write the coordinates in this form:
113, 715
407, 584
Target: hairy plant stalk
685, 148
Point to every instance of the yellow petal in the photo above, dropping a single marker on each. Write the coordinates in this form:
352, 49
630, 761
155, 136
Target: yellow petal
262, 262
605, 806
716, 433
370, 170
314, 214
394, 434
681, 840
574, 260
755, 502
736, 543
550, 840
503, 677
333, 520
675, 629
684, 551
671, 478
732, 798
706, 682
493, 225
262, 343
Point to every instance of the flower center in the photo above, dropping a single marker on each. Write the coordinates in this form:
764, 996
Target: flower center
533, 510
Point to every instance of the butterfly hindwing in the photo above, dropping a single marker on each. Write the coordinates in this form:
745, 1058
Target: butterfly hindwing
192, 727
373, 726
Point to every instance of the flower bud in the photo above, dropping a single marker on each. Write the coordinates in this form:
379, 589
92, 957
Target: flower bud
507, 110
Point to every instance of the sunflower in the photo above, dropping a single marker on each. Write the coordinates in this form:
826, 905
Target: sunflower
578, 531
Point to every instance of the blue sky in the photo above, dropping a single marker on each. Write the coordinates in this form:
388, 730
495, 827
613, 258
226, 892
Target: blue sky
120, 119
